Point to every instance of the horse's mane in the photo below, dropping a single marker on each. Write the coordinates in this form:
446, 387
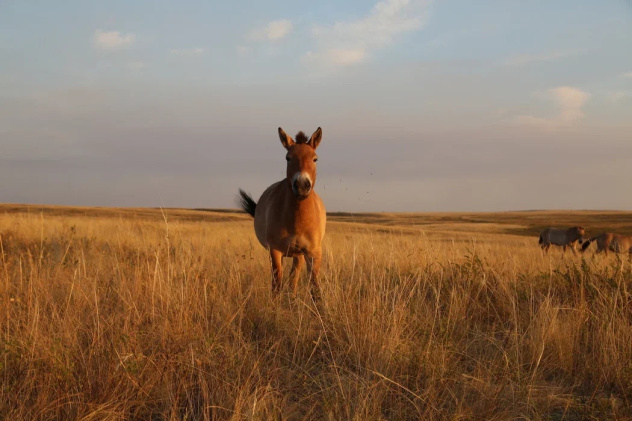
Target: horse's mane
301, 138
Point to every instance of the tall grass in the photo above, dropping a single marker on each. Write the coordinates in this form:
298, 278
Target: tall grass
152, 318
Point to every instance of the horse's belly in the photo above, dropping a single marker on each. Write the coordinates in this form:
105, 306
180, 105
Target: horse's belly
293, 245
289, 245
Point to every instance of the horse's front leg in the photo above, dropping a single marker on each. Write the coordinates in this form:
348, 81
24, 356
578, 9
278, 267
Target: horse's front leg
276, 260
295, 273
573, 249
313, 267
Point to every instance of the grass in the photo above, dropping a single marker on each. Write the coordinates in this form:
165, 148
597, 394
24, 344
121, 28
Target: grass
150, 314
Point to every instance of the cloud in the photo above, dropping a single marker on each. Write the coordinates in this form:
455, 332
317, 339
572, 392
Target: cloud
273, 31
627, 75
188, 51
569, 101
617, 96
112, 40
336, 57
351, 42
526, 59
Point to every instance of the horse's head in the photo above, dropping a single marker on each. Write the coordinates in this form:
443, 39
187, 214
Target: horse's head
301, 161
578, 232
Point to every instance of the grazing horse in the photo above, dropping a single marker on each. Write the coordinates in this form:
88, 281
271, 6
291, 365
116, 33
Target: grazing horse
290, 217
561, 237
610, 242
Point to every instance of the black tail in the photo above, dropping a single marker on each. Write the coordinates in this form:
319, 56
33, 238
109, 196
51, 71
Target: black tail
541, 240
587, 243
246, 203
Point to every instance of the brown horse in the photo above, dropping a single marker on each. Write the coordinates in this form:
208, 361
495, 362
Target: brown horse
561, 237
290, 217
610, 242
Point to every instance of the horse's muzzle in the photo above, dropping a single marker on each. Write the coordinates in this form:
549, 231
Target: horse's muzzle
301, 187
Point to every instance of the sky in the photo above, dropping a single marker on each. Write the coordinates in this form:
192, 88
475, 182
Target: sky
424, 105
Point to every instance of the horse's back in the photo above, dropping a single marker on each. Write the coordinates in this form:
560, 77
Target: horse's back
556, 236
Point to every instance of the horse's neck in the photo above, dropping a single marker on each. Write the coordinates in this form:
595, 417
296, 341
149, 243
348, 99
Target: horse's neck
298, 208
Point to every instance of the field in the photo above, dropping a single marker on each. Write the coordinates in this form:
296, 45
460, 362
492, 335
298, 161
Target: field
168, 314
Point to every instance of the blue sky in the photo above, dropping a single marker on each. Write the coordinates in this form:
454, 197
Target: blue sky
425, 106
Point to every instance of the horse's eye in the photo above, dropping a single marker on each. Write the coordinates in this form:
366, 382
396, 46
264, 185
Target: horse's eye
315, 159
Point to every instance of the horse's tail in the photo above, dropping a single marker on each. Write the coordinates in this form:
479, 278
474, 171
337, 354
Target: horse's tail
541, 240
587, 243
246, 203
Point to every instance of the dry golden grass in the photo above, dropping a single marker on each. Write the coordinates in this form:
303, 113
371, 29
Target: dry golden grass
140, 314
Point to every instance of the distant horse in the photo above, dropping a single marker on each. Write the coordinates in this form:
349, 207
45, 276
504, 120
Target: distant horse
561, 237
290, 217
610, 242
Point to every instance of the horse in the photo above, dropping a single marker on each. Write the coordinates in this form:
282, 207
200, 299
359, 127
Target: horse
561, 237
608, 241
290, 217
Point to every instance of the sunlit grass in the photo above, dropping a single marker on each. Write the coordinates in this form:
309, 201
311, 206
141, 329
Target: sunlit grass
168, 315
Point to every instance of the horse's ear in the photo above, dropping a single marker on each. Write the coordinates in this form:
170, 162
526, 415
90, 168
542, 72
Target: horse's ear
285, 139
316, 137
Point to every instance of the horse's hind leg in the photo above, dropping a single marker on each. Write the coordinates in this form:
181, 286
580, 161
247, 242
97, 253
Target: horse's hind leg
276, 259
295, 273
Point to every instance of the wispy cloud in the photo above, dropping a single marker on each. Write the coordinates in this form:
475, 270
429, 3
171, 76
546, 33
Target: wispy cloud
526, 59
273, 31
627, 75
351, 42
112, 40
616, 96
569, 101
336, 56
188, 51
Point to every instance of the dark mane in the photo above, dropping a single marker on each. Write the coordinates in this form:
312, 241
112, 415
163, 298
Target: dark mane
301, 138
